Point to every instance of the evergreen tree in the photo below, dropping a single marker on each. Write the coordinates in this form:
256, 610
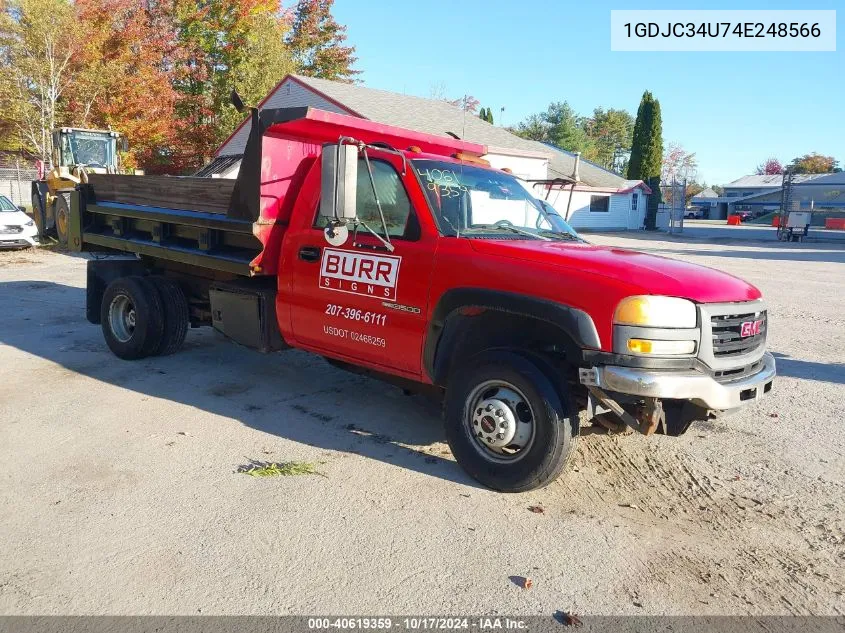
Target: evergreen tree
647, 152
647, 148
486, 114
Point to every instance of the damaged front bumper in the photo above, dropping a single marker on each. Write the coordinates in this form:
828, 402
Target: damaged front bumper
691, 385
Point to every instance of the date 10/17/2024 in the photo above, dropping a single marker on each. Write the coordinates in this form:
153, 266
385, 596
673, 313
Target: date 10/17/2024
354, 314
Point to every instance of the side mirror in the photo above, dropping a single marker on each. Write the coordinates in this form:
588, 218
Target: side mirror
339, 181
20, 208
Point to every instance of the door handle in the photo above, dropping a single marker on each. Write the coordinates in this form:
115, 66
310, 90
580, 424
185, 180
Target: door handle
309, 253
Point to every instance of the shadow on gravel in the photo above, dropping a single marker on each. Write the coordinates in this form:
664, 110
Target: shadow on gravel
290, 394
824, 372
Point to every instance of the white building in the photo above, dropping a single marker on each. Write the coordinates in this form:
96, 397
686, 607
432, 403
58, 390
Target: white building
530, 160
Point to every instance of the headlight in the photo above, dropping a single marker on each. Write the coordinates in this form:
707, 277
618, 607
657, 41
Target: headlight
655, 311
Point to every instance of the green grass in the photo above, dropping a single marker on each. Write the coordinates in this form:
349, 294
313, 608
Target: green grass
279, 469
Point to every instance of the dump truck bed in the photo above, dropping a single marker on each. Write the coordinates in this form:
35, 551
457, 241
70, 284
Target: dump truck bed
179, 219
236, 226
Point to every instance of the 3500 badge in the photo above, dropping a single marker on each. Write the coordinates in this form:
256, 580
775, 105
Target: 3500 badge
360, 273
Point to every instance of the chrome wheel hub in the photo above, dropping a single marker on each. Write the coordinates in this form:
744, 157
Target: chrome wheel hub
122, 318
499, 420
494, 422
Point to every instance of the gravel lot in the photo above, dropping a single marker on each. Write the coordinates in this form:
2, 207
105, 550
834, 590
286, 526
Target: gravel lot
119, 492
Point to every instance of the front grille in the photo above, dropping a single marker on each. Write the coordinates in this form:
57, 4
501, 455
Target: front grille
727, 334
11, 229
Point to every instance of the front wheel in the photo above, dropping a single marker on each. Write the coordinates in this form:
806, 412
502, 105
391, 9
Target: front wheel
507, 423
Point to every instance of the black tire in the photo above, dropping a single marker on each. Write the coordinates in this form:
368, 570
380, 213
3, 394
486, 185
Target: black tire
139, 335
554, 420
61, 215
38, 214
176, 316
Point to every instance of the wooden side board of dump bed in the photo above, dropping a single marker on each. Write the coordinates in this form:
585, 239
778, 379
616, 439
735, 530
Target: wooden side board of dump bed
211, 195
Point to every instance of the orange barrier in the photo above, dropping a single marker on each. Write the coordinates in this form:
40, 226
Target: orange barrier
776, 221
835, 223
734, 220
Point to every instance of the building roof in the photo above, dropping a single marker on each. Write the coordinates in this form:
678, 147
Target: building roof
435, 116
836, 178
707, 193
219, 165
767, 181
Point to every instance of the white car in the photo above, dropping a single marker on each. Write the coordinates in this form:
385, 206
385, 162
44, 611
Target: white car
17, 230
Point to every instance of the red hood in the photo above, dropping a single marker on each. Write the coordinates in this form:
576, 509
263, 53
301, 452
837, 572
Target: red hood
644, 273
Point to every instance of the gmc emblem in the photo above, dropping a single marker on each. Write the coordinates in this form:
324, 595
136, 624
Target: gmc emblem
750, 328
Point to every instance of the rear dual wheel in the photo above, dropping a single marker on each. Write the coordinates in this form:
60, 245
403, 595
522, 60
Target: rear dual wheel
509, 421
143, 316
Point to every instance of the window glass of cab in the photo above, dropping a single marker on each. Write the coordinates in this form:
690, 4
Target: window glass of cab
401, 222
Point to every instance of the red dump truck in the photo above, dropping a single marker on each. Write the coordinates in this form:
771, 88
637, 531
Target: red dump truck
405, 256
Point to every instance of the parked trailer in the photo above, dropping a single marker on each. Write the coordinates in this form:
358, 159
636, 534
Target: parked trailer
405, 256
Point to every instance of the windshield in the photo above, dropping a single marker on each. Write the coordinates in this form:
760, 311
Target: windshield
477, 202
92, 149
6, 204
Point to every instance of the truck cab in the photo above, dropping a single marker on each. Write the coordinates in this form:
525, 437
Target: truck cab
407, 257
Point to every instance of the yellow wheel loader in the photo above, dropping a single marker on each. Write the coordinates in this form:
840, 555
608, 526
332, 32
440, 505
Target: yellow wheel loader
76, 153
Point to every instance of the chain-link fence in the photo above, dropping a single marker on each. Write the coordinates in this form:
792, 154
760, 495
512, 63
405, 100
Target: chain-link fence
15, 184
671, 212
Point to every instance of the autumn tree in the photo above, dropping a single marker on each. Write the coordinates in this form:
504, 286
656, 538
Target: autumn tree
467, 103
814, 164
222, 44
769, 167
317, 43
123, 80
693, 189
39, 42
678, 164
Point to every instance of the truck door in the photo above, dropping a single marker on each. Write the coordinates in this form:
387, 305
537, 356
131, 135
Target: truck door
359, 300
